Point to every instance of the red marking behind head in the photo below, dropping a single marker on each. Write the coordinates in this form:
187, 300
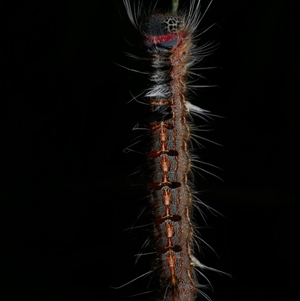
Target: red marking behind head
162, 39
167, 40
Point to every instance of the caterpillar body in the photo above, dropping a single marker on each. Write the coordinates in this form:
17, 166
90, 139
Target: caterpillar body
170, 42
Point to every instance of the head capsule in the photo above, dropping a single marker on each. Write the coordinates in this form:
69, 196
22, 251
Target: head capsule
162, 30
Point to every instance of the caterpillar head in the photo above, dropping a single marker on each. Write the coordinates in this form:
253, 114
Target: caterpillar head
157, 25
161, 30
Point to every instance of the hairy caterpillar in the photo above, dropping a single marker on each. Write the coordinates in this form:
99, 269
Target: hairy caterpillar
170, 42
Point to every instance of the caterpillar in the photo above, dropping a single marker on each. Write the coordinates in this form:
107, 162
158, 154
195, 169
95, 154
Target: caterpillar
170, 39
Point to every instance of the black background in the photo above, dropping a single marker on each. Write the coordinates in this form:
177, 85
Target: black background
65, 194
